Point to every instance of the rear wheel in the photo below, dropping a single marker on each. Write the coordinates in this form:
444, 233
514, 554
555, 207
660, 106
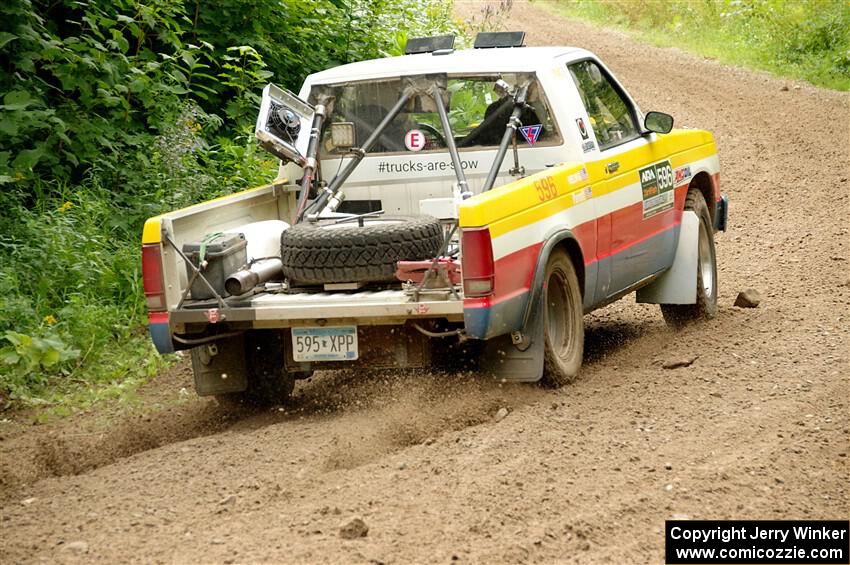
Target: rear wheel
563, 321
677, 315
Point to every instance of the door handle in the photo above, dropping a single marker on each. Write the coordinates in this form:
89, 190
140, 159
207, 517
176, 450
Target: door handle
612, 166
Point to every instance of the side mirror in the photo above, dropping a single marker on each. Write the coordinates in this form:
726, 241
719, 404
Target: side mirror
343, 135
659, 122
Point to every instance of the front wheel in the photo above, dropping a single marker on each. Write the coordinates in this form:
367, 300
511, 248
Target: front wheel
677, 315
563, 321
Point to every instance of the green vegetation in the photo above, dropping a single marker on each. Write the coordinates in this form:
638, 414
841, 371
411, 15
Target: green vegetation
116, 110
807, 39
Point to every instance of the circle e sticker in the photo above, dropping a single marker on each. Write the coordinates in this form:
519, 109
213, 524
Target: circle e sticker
414, 140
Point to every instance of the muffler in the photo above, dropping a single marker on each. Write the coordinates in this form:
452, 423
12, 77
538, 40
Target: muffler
244, 280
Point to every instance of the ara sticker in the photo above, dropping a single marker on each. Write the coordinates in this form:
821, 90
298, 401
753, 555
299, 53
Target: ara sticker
414, 140
531, 133
657, 183
581, 128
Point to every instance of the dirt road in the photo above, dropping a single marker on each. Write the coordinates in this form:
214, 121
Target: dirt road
756, 427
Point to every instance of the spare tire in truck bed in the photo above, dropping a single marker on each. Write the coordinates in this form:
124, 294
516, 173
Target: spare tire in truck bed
328, 252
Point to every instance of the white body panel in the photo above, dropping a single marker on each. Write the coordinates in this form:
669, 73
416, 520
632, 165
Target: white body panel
678, 285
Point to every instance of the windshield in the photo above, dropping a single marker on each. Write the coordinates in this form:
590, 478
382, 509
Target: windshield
477, 114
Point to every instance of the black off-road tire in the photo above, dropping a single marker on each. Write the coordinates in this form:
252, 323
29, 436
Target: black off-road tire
678, 315
324, 252
269, 383
563, 321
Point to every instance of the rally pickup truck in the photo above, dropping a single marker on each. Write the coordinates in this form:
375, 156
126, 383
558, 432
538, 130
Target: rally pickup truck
442, 207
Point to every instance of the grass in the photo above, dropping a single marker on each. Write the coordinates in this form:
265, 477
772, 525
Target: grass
72, 315
801, 39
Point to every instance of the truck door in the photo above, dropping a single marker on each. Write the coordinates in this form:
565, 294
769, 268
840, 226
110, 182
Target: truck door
630, 167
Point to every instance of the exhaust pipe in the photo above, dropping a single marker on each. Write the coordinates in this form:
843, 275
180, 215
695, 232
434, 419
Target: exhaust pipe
245, 280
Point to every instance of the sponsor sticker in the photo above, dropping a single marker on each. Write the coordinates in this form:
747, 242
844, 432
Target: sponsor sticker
588, 146
531, 133
657, 183
414, 140
581, 128
578, 176
682, 174
581, 195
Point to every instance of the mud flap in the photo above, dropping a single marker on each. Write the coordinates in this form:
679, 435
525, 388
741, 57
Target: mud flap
518, 363
678, 285
219, 367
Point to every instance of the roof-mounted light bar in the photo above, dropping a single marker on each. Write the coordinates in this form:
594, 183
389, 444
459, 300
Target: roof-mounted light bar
493, 39
416, 45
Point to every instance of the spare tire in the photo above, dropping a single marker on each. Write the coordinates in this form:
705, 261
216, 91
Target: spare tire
328, 252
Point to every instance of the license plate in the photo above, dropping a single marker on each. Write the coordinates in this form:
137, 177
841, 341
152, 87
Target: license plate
337, 343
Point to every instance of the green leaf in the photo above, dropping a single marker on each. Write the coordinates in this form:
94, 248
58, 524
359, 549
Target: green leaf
50, 357
9, 357
17, 100
18, 339
27, 158
6, 37
9, 126
137, 85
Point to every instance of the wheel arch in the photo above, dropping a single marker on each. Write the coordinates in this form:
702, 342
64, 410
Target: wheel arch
560, 239
571, 247
702, 182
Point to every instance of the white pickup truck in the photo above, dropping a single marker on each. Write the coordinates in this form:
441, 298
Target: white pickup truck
446, 206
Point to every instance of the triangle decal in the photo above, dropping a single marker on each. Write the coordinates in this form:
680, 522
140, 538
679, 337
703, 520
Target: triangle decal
531, 133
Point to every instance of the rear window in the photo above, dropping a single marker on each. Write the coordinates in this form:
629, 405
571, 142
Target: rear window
477, 114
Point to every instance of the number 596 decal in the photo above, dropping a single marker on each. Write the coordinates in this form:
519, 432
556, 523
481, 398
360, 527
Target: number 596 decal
546, 189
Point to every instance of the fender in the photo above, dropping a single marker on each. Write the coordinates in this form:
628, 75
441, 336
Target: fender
552, 240
519, 358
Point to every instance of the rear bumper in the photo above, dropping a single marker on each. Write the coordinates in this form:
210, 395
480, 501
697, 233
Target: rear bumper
385, 307
160, 332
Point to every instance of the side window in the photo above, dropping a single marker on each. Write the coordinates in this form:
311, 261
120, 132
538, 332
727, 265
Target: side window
610, 114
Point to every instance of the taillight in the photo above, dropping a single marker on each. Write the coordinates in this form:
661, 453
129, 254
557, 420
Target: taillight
152, 277
477, 262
